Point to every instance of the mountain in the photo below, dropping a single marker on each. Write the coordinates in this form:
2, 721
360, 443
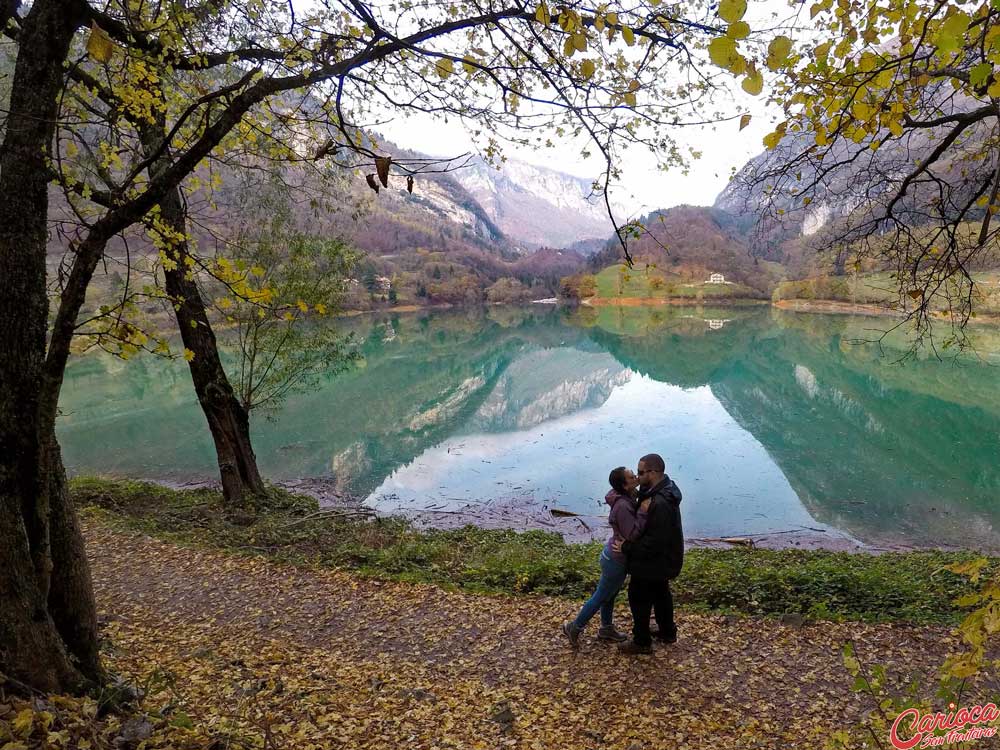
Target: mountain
536, 206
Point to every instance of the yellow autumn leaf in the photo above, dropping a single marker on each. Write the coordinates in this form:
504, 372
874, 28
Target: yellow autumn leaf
188, 354
754, 83
99, 44
23, 722
542, 14
302, 306
738, 30
745, 120
588, 68
722, 52
771, 140
444, 67
732, 11
778, 51
628, 35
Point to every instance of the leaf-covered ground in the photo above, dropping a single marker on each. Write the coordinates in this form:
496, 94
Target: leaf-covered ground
243, 652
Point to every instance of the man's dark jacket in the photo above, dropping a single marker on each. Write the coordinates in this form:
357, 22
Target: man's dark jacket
659, 552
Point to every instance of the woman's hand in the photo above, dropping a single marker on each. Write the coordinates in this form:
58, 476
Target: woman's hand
616, 545
644, 505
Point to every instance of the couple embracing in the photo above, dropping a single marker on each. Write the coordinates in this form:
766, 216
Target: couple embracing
647, 541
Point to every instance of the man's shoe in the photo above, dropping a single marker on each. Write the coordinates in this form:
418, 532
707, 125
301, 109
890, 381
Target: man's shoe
572, 632
610, 635
665, 638
631, 648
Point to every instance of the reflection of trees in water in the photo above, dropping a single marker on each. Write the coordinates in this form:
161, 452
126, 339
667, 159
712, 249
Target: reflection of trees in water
878, 449
885, 451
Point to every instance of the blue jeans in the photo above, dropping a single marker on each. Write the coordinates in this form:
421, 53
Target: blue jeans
603, 598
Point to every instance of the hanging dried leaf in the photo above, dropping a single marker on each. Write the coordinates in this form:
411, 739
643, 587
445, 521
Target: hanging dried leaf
99, 44
409, 183
382, 164
329, 147
370, 178
744, 121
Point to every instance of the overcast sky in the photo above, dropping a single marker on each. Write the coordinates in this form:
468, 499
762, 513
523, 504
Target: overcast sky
723, 147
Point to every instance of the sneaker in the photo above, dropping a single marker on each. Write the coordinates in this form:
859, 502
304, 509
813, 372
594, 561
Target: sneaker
571, 631
610, 635
631, 648
668, 638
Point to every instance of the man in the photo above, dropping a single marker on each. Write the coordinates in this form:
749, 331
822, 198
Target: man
654, 558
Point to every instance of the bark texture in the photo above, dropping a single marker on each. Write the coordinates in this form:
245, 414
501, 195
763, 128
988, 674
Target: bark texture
48, 632
227, 420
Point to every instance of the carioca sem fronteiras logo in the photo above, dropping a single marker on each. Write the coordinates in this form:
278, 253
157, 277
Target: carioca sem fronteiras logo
953, 723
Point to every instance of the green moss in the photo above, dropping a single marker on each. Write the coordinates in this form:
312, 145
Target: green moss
910, 587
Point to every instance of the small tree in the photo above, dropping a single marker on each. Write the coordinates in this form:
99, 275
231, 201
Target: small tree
506, 291
290, 283
578, 287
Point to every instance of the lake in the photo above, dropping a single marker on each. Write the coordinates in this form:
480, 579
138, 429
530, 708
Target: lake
768, 420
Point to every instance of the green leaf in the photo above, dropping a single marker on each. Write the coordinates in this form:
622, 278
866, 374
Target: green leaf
951, 32
732, 11
182, 721
850, 660
979, 74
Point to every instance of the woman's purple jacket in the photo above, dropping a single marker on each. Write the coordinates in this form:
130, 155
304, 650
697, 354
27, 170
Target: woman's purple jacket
627, 522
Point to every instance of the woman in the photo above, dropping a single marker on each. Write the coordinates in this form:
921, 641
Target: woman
627, 522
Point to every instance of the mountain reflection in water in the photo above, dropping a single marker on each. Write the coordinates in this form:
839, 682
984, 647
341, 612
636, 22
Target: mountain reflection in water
772, 421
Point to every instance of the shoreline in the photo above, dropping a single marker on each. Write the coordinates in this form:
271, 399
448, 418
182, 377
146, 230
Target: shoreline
573, 528
677, 301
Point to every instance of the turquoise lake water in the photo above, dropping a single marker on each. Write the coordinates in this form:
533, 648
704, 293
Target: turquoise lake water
768, 420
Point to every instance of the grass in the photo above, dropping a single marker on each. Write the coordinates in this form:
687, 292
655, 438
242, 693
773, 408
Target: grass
906, 587
880, 288
618, 281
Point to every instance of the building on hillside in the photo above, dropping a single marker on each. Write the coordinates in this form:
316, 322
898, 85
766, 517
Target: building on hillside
716, 278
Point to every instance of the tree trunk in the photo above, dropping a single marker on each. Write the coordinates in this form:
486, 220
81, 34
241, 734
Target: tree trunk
48, 632
228, 421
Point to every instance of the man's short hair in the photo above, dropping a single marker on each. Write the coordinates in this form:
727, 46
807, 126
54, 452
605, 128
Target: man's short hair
653, 462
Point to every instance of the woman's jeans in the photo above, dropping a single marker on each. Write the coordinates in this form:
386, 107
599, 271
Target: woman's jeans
612, 579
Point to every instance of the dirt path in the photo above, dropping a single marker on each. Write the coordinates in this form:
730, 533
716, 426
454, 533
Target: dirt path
339, 661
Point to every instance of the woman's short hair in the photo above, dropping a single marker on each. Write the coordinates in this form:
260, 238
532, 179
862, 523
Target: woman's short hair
617, 478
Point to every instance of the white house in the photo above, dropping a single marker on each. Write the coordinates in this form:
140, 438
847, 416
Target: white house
716, 278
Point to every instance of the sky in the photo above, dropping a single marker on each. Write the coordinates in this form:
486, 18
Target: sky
723, 147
